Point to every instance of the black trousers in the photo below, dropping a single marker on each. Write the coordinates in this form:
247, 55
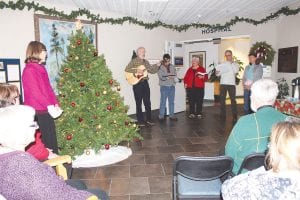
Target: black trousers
142, 94
195, 96
223, 92
47, 128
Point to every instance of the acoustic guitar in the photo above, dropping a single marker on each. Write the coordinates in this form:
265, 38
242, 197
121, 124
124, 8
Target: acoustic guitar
134, 78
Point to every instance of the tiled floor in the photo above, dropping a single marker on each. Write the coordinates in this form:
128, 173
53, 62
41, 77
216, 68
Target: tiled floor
147, 173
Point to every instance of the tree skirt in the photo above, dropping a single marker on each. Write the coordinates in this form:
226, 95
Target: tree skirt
103, 157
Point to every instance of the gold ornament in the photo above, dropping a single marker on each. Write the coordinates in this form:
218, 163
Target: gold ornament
134, 125
76, 58
104, 92
87, 152
99, 126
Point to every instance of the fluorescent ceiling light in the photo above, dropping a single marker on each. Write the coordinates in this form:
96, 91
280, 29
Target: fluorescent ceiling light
153, 0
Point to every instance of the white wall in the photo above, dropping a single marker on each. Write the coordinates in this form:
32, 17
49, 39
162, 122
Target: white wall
116, 42
279, 33
288, 30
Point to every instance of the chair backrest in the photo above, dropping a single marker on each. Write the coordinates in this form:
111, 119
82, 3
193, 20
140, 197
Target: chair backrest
253, 161
203, 168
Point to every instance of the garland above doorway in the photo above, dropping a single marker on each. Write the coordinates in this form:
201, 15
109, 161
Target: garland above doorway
36, 7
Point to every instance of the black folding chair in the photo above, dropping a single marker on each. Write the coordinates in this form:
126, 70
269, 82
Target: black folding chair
252, 161
200, 177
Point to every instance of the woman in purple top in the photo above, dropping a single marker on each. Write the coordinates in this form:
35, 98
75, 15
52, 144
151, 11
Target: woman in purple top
21, 175
39, 94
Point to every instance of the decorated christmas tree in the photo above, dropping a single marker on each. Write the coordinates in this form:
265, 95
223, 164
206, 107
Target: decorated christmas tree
94, 112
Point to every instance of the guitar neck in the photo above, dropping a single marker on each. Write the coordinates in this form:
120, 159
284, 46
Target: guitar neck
169, 75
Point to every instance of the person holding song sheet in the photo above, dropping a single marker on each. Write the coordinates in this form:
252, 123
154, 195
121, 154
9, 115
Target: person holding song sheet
167, 80
139, 67
194, 82
227, 71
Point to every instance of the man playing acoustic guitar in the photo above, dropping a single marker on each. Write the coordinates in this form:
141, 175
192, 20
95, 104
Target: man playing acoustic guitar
137, 75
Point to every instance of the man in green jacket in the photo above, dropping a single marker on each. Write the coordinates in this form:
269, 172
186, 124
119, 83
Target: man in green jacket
251, 133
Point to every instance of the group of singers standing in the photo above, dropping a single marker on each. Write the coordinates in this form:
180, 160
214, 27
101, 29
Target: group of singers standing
194, 82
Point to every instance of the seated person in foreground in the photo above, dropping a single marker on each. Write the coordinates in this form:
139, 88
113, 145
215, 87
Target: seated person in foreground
9, 96
281, 181
251, 132
21, 175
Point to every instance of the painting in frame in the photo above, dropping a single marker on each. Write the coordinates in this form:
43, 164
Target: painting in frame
54, 33
201, 55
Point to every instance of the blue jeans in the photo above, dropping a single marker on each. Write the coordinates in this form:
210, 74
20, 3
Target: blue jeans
247, 109
166, 92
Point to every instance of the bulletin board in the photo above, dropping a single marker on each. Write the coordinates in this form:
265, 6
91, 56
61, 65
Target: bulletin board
10, 72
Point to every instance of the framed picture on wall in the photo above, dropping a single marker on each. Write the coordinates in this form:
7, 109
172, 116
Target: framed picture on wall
10, 73
201, 55
288, 60
178, 61
54, 33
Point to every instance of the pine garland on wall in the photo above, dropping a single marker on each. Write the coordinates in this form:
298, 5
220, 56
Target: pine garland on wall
36, 7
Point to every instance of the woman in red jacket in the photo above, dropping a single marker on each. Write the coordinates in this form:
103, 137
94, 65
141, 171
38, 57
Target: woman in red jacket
194, 82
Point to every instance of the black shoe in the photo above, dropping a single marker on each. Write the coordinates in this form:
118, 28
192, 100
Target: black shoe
149, 123
141, 124
173, 118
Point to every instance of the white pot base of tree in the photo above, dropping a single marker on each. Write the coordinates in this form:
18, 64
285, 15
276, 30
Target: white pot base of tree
102, 158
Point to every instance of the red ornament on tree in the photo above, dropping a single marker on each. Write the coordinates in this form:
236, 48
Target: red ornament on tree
111, 81
78, 42
109, 107
82, 84
97, 94
95, 117
73, 104
69, 137
80, 119
126, 123
106, 146
67, 70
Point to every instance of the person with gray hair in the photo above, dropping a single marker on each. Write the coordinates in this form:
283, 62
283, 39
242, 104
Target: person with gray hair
281, 179
141, 89
21, 175
251, 132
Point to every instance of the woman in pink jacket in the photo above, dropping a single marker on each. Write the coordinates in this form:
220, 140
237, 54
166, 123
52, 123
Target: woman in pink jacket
39, 94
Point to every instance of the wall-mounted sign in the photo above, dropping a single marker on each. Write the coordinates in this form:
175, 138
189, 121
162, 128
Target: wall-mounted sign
211, 30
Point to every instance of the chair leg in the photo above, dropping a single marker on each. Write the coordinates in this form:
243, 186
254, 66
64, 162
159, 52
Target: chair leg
61, 171
174, 188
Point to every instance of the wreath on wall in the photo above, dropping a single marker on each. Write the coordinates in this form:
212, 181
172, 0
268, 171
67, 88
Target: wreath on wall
264, 52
